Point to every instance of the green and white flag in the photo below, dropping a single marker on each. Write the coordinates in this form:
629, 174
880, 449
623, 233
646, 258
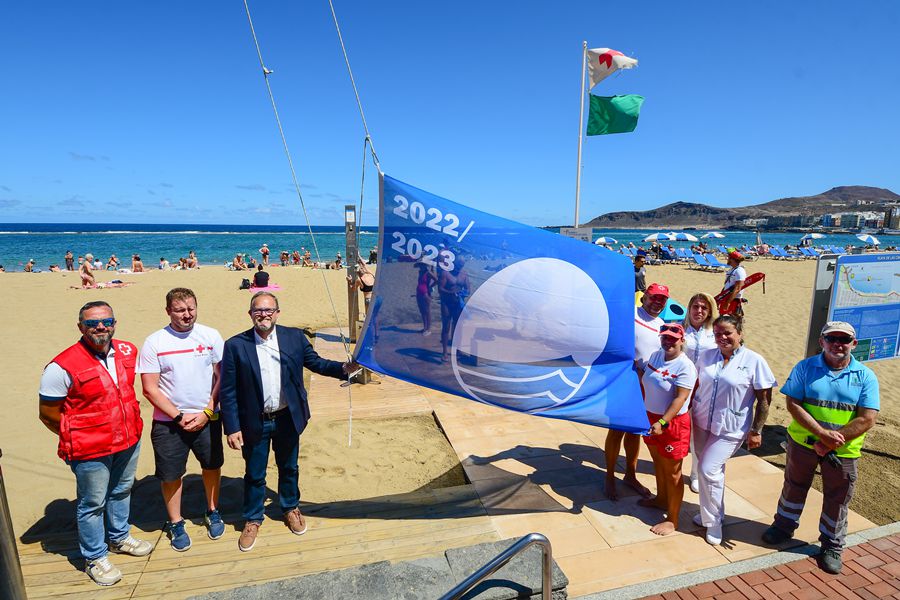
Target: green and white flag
614, 114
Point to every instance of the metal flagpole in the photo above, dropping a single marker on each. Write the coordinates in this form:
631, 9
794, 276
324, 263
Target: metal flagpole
580, 130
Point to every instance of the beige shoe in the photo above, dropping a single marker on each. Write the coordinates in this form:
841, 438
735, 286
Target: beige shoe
102, 571
248, 536
295, 521
131, 545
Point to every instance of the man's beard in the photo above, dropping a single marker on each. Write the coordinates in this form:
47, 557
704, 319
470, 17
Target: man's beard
101, 340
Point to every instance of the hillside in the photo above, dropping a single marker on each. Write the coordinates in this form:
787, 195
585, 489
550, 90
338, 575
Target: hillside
679, 215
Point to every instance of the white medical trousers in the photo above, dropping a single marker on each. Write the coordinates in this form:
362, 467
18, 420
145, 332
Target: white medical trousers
713, 451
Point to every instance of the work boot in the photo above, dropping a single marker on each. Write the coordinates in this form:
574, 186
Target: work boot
830, 561
774, 536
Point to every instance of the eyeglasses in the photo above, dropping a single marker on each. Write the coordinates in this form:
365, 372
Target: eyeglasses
838, 339
263, 311
94, 323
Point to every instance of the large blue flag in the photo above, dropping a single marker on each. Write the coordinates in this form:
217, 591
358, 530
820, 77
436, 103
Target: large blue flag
492, 310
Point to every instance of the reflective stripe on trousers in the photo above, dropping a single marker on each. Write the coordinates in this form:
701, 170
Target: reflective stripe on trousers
837, 491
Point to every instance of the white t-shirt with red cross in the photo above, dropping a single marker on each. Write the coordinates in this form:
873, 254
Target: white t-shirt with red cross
184, 361
662, 379
646, 335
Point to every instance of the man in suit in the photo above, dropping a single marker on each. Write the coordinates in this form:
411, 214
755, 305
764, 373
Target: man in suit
263, 401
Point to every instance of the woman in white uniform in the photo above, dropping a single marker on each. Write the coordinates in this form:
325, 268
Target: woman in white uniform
732, 378
698, 336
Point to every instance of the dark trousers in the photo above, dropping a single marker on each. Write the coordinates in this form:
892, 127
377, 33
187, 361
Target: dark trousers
837, 491
281, 435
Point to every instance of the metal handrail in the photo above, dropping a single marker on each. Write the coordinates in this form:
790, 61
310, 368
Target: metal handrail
504, 557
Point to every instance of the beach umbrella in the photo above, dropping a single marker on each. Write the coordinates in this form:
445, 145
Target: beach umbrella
868, 239
606, 240
683, 237
812, 236
660, 237
712, 234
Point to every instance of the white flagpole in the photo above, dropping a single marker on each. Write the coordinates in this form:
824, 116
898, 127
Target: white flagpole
580, 130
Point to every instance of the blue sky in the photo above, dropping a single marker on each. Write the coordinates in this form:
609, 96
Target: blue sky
156, 111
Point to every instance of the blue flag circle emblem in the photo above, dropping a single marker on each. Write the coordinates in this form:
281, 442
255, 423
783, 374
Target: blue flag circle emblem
515, 342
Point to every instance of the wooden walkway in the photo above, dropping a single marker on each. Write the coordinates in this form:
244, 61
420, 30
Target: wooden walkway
527, 474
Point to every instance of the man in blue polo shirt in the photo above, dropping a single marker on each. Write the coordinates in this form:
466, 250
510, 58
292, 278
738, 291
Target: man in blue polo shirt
834, 400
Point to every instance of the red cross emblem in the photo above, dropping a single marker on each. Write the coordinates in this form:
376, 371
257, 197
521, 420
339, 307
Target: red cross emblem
199, 349
664, 373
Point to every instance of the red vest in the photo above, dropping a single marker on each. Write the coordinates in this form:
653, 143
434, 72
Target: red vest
98, 418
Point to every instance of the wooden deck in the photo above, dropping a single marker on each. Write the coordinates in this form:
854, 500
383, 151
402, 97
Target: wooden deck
527, 474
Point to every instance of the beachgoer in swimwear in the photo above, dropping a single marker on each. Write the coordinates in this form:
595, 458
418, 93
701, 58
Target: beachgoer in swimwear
264, 252
192, 261
307, 262
29, 266
54, 268
427, 281
285, 258
136, 265
113, 263
365, 281
163, 264
295, 257
70, 261
453, 288
86, 272
238, 263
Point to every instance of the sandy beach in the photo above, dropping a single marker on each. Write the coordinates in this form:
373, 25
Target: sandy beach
38, 482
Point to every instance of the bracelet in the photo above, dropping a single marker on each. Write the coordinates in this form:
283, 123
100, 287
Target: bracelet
663, 423
211, 414
756, 431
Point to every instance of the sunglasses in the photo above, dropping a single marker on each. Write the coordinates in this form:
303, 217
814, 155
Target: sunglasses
671, 328
838, 339
263, 311
94, 323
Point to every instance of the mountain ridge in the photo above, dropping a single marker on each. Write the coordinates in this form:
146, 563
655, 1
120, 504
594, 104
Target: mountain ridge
679, 215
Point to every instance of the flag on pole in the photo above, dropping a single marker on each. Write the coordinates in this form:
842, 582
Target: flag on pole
522, 318
614, 114
603, 62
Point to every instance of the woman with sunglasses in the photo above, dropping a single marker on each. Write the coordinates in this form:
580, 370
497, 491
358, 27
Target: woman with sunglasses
698, 336
731, 379
668, 380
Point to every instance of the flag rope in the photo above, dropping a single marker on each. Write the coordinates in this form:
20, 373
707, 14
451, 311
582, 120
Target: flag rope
266, 72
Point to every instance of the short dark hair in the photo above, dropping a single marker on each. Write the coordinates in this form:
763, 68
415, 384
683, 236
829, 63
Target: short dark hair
259, 267
93, 304
179, 293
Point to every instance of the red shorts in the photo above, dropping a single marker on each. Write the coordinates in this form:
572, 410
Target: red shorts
675, 440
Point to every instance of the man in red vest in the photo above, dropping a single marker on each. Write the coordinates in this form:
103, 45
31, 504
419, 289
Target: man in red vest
87, 398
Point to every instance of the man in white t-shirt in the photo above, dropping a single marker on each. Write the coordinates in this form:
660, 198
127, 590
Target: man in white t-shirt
179, 367
646, 342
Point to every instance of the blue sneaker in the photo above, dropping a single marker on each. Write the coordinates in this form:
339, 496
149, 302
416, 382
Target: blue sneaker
178, 537
215, 526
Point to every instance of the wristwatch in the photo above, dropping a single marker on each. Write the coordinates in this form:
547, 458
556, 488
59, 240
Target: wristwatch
177, 418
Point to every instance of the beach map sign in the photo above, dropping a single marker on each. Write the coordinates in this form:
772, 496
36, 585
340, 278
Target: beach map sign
482, 307
866, 294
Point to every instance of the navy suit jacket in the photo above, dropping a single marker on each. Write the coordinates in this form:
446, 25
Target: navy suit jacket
241, 392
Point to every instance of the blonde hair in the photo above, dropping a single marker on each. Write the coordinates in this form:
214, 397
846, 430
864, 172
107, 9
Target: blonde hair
713, 311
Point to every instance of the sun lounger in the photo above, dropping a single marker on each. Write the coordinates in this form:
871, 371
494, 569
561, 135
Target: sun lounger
700, 262
714, 262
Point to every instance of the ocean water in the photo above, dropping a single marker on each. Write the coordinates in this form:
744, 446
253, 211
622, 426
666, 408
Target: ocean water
217, 244
213, 244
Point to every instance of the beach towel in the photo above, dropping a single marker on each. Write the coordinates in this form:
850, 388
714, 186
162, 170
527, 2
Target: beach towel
272, 287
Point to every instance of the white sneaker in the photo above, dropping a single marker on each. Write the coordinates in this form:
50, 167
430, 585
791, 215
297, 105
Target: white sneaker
131, 545
102, 571
695, 485
714, 535
697, 520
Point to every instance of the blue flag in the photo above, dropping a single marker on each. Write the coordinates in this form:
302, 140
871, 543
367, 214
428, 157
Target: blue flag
492, 310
